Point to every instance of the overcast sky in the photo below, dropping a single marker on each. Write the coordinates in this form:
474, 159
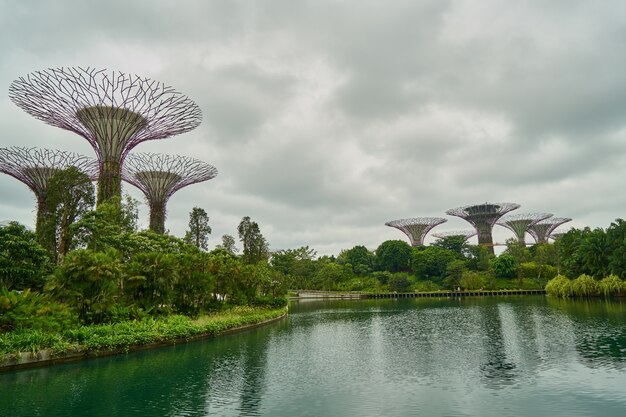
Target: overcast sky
326, 119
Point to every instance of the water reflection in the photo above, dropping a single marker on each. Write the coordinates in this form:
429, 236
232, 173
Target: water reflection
527, 355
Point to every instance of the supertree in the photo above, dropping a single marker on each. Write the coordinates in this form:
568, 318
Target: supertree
160, 176
483, 217
114, 111
520, 222
416, 228
543, 229
462, 233
34, 167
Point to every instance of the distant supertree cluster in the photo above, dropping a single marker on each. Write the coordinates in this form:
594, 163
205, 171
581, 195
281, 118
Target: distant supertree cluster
519, 223
416, 228
483, 217
114, 111
466, 234
543, 229
34, 167
160, 176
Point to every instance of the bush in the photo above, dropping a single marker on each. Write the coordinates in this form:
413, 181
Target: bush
560, 286
426, 286
399, 283
611, 285
472, 281
30, 310
585, 286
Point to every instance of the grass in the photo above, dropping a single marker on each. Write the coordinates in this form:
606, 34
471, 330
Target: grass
124, 335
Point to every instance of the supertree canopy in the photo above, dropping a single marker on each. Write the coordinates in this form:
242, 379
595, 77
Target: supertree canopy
416, 228
462, 233
483, 217
114, 111
542, 230
34, 167
160, 176
520, 222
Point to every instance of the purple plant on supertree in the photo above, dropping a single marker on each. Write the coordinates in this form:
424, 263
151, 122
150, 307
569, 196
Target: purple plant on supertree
520, 222
159, 176
114, 111
416, 228
483, 217
543, 229
34, 167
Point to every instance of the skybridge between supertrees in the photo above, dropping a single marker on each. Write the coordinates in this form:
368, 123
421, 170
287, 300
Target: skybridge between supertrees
114, 111
159, 176
34, 167
520, 222
543, 229
416, 228
483, 217
466, 234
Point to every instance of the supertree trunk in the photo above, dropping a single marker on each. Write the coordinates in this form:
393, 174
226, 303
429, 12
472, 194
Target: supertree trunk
157, 217
109, 181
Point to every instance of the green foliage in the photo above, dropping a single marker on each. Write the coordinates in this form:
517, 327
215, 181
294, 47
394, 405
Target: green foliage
454, 273
504, 266
70, 195
393, 256
361, 259
479, 258
426, 286
431, 263
150, 280
124, 335
585, 286
519, 252
199, 229
23, 261
194, 286
228, 244
472, 281
560, 286
255, 247
88, 281
616, 248
612, 285
31, 310
400, 282
456, 243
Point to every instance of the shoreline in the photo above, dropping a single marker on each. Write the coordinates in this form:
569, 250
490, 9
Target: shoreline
47, 357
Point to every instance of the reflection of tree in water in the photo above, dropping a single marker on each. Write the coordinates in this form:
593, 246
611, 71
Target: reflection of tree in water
599, 330
496, 370
254, 361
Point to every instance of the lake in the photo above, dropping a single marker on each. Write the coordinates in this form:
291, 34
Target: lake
508, 356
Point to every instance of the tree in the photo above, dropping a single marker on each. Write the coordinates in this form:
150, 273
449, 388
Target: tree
504, 266
199, 229
23, 261
255, 247
361, 259
88, 281
455, 243
616, 245
431, 263
70, 195
393, 256
228, 244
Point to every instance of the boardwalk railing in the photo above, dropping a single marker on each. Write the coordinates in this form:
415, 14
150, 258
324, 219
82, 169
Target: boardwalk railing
435, 294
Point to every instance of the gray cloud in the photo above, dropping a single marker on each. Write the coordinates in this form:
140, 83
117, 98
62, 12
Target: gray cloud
325, 120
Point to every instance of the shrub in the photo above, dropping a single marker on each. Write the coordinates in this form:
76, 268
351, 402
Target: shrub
585, 286
472, 281
559, 286
611, 285
31, 310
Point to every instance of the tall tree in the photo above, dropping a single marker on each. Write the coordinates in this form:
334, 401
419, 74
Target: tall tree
70, 195
228, 244
255, 247
199, 229
23, 261
393, 256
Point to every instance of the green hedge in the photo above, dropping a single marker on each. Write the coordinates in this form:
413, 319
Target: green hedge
585, 286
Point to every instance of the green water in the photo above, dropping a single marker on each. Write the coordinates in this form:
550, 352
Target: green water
517, 356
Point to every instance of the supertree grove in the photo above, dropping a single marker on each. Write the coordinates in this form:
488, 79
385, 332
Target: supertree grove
463, 233
416, 228
114, 111
160, 176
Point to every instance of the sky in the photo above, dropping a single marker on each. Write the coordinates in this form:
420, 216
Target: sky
327, 119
